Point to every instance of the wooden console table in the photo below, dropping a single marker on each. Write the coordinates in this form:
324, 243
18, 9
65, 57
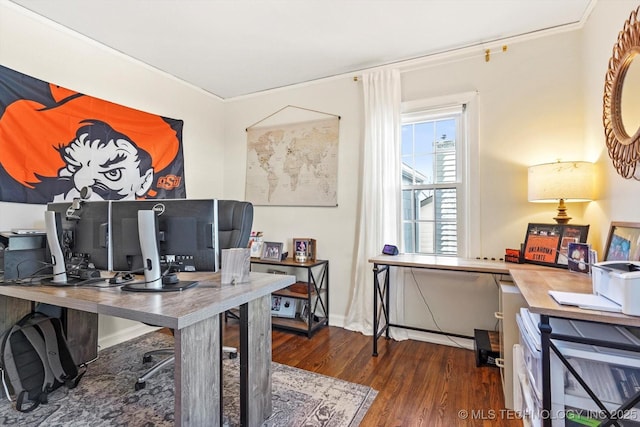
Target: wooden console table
382, 263
194, 315
314, 293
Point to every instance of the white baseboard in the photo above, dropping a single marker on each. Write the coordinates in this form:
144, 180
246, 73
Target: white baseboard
123, 335
441, 339
465, 343
140, 329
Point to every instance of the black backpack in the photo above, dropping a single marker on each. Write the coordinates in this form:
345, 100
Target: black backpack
36, 359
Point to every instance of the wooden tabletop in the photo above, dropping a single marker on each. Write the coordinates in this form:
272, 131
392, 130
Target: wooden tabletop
449, 263
533, 281
535, 286
168, 309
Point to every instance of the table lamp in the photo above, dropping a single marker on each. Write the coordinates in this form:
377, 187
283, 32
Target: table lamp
561, 182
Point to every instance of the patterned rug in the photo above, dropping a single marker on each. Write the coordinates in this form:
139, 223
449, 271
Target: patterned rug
106, 396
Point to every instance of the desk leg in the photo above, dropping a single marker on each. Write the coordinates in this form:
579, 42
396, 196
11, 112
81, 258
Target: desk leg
82, 334
198, 383
12, 310
380, 293
545, 332
256, 403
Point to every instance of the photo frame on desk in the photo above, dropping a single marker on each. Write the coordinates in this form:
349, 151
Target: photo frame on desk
271, 251
623, 242
548, 244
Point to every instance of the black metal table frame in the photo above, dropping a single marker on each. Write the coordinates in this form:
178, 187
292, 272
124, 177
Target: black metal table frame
381, 294
318, 281
547, 346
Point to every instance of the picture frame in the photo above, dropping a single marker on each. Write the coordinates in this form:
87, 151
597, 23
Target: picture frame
579, 257
304, 312
271, 251
255, 249
283, 307
623, 242
306, 246
548, 244
255, 244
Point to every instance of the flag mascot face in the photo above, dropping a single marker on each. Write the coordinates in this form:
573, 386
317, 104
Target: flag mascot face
107, 162
73, 141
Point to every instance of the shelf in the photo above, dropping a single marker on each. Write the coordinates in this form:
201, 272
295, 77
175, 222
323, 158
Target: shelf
312, 292
287, 292
297, 324
289, 262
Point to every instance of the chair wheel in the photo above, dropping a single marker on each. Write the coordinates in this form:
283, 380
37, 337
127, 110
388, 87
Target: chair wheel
146, 359
233, 355
140, 385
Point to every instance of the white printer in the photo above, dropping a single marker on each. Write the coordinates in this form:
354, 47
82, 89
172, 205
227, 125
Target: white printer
618, 281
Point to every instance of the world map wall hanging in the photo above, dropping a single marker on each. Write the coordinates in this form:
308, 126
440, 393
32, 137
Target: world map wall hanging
294, 163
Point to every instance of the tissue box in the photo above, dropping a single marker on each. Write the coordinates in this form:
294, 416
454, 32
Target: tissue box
618, 281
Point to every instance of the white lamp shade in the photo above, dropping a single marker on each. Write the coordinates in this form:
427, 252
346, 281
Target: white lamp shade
571, 181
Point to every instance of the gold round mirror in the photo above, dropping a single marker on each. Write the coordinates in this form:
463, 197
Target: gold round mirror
621, 103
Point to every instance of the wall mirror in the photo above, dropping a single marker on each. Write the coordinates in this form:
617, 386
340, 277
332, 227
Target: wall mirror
621, 103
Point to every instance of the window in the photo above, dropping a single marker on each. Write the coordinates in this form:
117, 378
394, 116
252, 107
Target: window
434, 146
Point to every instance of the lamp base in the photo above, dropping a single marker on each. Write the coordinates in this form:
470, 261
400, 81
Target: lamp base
562, 217
560, 220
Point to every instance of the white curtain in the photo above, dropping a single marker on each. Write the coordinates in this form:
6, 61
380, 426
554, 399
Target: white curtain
379, 204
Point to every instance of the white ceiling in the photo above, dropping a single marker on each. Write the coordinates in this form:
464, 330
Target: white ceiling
237, 47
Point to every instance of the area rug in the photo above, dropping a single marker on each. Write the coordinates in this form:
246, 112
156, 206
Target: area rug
106, 395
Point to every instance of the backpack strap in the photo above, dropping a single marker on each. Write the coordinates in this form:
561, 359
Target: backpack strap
24, 397
38, 344
9, 364
52, 350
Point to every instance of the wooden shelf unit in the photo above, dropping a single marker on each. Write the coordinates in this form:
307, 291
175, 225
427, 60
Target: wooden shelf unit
316, 295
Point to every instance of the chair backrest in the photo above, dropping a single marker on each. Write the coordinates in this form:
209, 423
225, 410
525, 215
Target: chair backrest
235, 219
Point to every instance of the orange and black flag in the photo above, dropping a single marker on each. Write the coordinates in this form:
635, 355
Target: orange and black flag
53, 141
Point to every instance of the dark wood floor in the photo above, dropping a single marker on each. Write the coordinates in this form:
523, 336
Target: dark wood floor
418, 384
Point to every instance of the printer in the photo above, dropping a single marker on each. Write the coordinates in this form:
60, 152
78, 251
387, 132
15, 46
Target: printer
618, 281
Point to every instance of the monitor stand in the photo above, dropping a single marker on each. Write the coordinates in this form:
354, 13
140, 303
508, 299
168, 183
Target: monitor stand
168, 287
69, 281
154, 281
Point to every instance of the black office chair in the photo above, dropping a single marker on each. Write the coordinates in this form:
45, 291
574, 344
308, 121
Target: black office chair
235, 219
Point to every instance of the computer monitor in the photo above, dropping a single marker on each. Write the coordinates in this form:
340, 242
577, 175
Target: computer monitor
84, 233
187, 234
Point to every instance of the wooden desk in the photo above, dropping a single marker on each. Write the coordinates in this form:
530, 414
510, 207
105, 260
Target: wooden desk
534, 286
381, 266
194, 314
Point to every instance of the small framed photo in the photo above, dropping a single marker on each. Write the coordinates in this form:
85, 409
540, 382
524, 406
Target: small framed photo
305, 247
304, 312
571, 234
256, 249
255, 244
283, 307
548, 244
579, 257
271, 251
623, 242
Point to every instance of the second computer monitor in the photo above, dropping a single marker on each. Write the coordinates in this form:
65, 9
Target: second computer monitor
187, 234
85, 231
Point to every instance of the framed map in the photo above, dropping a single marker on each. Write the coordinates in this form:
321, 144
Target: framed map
293, 164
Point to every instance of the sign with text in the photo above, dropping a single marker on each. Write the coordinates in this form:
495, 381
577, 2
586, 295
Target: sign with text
547, 244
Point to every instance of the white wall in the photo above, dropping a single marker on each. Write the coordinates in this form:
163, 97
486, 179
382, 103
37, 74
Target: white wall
42, 49
618, 200
332, 227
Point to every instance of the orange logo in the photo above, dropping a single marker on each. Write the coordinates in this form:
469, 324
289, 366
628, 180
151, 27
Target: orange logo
169, 182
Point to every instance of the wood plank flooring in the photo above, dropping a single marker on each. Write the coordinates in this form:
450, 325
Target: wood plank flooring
418, 384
